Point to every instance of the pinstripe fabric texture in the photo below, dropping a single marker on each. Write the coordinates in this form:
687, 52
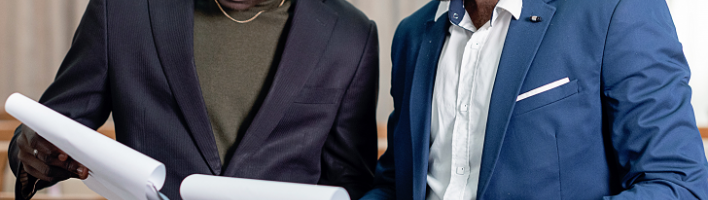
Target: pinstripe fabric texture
135, 59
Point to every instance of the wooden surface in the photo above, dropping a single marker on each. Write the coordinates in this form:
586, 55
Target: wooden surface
4, 145
704, 132
4, 115
7, 129
382, 139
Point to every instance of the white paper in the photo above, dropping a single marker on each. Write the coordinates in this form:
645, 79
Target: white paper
116, 171
199, 186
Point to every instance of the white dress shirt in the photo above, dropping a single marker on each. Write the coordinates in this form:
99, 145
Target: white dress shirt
463, 88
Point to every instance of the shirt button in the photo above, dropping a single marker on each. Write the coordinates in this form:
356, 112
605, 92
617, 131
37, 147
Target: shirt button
460, 171
464, 108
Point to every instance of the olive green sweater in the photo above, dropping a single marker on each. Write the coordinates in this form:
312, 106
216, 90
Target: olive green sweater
235, 63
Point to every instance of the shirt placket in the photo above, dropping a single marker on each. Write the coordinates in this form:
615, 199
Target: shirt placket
460, 146
462, 137
475, 96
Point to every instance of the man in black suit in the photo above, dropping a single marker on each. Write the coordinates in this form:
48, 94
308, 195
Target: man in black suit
279, 90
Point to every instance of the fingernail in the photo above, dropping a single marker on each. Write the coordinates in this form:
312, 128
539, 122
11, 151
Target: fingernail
63, 157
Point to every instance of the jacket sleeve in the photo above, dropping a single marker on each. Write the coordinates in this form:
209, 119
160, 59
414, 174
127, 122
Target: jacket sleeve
646, 106
384, 183
349, 154
80, 90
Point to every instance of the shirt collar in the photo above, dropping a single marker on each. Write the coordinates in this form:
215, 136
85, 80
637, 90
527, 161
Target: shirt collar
456, 10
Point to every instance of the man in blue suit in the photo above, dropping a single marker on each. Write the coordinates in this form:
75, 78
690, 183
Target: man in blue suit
540, 99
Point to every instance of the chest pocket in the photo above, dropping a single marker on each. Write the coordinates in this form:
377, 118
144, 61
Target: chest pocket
546, 98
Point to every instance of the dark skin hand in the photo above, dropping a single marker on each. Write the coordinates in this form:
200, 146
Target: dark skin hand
51, 164
239, 4
480, 11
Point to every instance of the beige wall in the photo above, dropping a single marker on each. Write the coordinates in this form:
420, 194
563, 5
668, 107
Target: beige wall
386, 14
34, 37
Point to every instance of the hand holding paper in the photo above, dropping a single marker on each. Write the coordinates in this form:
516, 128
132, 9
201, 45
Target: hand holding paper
45, 161
117, 171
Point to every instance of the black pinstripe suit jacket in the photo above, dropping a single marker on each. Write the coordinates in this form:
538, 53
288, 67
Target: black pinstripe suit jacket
134, 58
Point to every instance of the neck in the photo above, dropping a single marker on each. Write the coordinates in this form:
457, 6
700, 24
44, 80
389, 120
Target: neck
480, 11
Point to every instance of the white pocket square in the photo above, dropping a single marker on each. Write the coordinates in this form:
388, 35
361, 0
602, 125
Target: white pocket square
543, 88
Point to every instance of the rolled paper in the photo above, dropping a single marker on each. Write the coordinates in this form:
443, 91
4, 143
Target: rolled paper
199, 186
116, 171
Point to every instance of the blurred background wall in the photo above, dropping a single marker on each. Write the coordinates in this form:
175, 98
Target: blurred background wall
692, 31
36, 34
386, 14
34, 37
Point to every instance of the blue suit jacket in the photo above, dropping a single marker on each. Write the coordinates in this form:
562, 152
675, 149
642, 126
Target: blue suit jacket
622, 128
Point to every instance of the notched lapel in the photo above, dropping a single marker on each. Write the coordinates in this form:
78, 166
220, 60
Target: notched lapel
310, 30
522, 42
172, 25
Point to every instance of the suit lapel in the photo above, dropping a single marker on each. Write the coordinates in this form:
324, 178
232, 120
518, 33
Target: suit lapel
310, 30
421, 99
172, 26
522, 42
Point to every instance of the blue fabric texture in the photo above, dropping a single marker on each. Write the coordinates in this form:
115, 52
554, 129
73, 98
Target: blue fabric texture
622, 128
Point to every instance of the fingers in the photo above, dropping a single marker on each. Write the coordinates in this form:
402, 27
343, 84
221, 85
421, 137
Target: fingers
67, 164
63, 156
30, 141
42, 171
41, 155
76, 168
45, 151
